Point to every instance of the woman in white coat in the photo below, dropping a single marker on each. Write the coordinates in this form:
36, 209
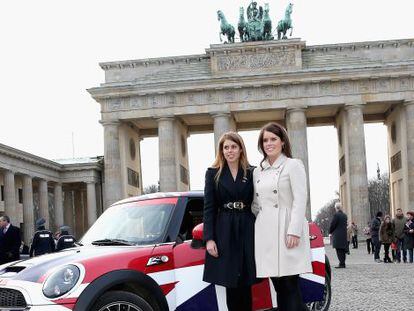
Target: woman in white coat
282, 245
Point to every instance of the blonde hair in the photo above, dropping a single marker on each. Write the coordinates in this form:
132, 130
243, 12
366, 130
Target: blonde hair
220, 161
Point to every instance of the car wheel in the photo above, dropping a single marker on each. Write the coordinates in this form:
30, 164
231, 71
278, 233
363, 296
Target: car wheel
324, 304
120, 301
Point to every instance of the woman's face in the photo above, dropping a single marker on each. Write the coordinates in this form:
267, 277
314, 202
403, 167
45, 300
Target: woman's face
231, 151
272, 144
387, 220
409, 217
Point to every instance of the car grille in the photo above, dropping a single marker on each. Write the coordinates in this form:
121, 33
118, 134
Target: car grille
11, 298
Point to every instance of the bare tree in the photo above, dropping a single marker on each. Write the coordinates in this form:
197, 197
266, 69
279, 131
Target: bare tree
151, 189
379, 194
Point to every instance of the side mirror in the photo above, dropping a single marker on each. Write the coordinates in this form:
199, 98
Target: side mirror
197, 241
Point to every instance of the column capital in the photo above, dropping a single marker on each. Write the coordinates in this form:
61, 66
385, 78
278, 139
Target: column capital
57, 184
110, 122
220, 114
165, 118
296, 108
10, 171
408, 102
353, 106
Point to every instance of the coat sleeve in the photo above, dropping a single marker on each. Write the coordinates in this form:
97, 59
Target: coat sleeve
298, 185
17, 241
255, 203
210, 206
334, 223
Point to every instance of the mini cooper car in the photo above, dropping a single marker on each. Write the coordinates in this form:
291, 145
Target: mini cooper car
143, 253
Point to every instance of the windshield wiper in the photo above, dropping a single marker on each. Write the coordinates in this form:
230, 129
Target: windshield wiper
112, 242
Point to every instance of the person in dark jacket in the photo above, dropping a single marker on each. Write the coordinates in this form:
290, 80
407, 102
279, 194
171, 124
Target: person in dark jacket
387, 236
375, 227
399, 223
65, 239
10, 241
338, 229
229, 223
409, 235
43, 241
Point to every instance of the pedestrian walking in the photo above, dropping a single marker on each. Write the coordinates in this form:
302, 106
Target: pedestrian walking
10, 241
387, 235
348, 238
42, 242
399, 223
368, 240
338, 229
409, 235
375, 227
229, 223
282, 245
354, 235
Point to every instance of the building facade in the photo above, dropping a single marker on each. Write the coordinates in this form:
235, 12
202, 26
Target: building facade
63, 192
241, 86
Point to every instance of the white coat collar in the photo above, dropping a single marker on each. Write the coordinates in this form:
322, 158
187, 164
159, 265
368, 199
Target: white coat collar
279, 161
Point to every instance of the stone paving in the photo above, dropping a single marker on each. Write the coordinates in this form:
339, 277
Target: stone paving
365, 285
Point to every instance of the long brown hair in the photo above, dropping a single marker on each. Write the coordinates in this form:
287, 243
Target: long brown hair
279, 131
220, 161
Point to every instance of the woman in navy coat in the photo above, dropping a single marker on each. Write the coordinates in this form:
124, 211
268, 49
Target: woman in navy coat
229, 223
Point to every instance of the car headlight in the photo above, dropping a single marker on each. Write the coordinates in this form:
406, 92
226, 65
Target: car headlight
61, 281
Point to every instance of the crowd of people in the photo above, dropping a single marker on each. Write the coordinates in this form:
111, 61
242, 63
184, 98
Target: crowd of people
395, 235
43, 241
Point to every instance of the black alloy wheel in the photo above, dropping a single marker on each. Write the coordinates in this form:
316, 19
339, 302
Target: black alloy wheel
121, 301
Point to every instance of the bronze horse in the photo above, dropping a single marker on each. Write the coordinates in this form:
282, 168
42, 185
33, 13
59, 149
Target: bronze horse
225, 28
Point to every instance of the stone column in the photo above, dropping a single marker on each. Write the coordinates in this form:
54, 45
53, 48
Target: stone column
91, 203
68, 209
28, 215
358, 180
168, 173
296, 126
409, 114
43, 201
9, 195
58, 202
223, 122
112, 160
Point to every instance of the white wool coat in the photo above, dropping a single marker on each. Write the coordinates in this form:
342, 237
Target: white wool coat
279, 205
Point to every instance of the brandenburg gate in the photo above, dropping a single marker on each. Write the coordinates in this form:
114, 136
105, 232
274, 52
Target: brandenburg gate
241, 86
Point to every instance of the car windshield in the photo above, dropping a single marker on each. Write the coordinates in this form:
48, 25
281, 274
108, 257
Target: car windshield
137, 223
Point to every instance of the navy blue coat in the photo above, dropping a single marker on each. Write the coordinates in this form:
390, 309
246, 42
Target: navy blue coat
338, 230
232, 230
42, 243
10, 245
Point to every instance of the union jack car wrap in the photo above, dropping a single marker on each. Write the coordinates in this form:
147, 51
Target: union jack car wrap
139, 255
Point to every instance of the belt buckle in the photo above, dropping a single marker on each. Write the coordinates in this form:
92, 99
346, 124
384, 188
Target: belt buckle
230, 205
238, 205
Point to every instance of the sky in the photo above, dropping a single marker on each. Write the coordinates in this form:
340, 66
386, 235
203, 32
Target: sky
50, 51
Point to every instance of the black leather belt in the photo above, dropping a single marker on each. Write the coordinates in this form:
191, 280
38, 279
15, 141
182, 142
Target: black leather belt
234, 206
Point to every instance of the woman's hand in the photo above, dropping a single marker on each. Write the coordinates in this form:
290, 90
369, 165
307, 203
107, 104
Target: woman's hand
292, 241
212, 248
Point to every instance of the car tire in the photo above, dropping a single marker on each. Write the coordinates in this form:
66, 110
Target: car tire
121, 300
324, 304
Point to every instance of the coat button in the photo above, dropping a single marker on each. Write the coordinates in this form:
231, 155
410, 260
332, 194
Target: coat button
275, 191
258, 181
257, 194
276, 206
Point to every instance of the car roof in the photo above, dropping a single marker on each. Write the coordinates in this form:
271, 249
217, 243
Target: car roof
158, 195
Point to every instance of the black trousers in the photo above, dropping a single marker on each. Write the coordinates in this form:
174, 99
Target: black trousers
289, 297
355, 241
387, 252
340, 252
369, 245
377, 247
239, 298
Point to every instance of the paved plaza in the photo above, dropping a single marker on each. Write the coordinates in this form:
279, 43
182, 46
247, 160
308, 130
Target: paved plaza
366, 285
